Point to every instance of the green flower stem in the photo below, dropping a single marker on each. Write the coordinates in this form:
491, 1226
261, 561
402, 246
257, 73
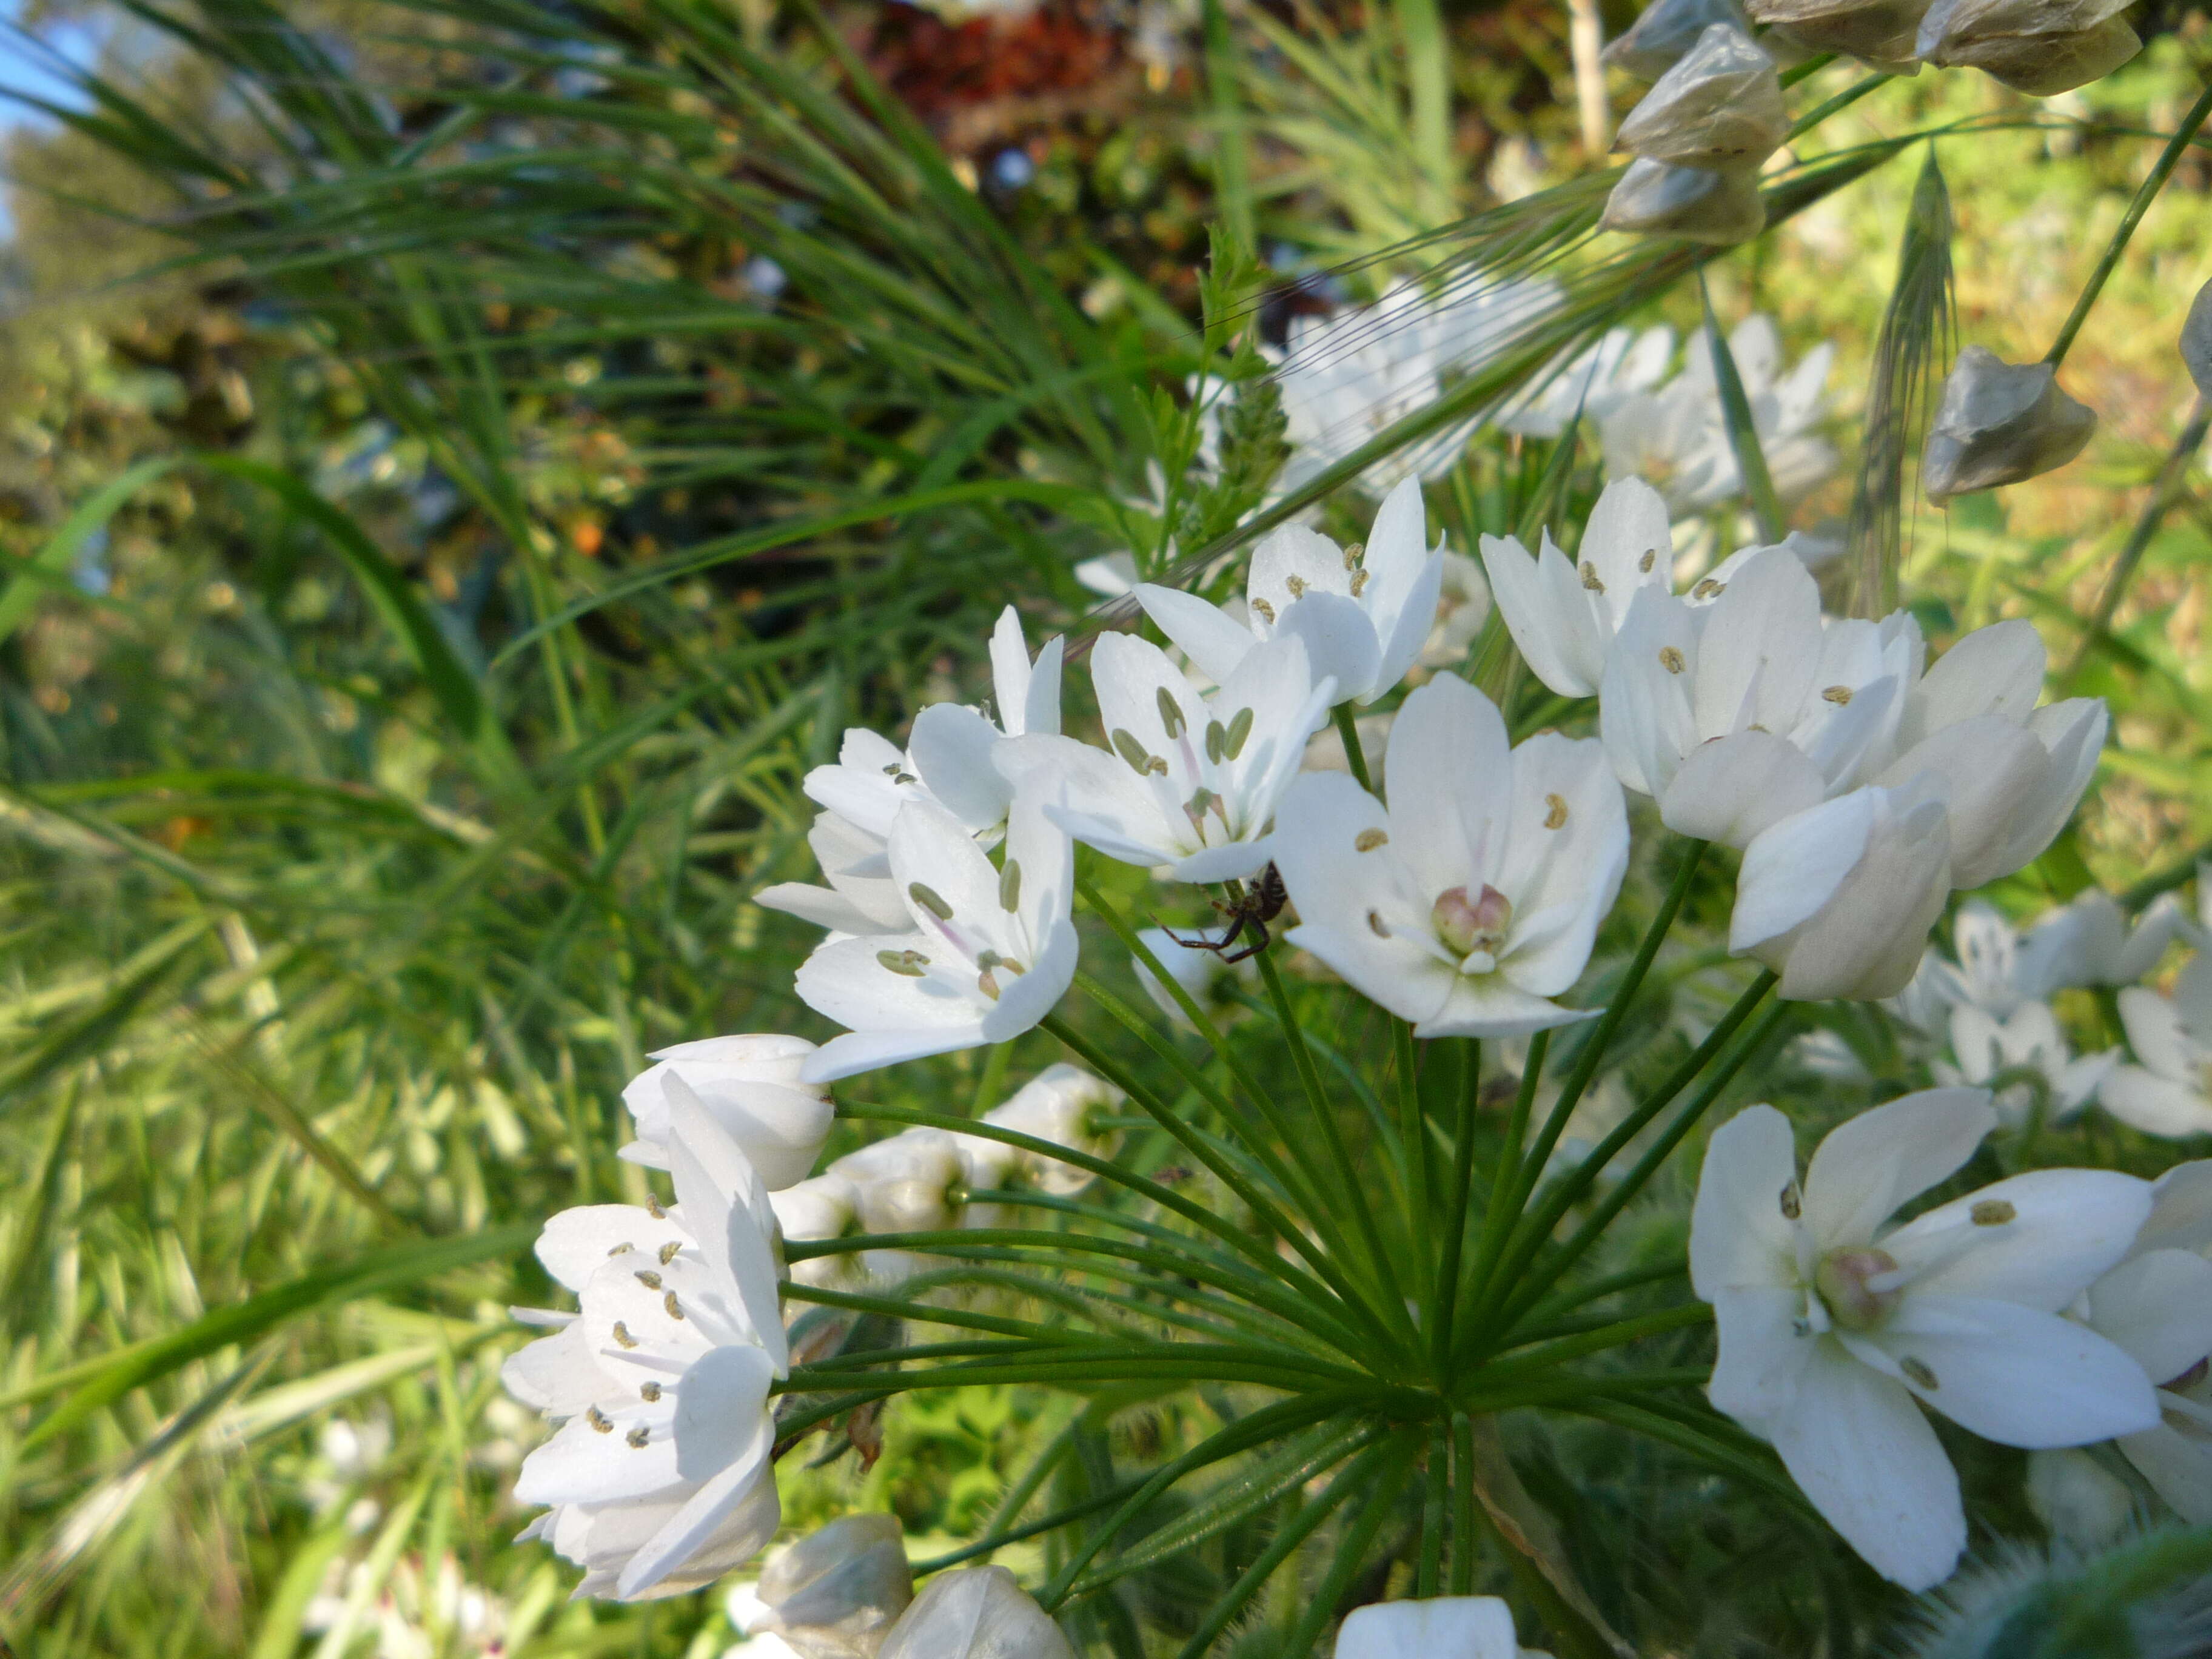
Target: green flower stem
1268, 1423
1541, 1279
1270, 1216
1464, 1535
1429, 1571
959, 1319
1593, 1053
1200, 1020
1844, 99
1357, 1476
2167, 489
1352, 1553
1421, 1199
1165, 1197
1498, 1220
1006, 1243
1084, 1303
2161, 172
1355, 753
1456, 1216
1058, 1519
866, 1361
1612, 1284
1017, 1495
1363, 1214
1532, 1361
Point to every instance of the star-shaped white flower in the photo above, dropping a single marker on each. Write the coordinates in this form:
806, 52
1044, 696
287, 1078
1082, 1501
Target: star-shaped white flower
1837, 1327
1470, 903
750, 1085
2029, 1038
992, 949
660, 1479
2168, 1091
1192, 780
1362, 615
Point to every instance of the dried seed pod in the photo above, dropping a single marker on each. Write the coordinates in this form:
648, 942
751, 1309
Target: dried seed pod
2196, 342
1879, 33
2040, 47
2000, 422
1666, 32
1699, 205
1719, 106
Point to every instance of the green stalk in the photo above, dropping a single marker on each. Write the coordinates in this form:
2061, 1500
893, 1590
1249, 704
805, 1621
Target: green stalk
2172, 479
992, 1078
2144, 197
1463, 1528
1413, 1131
1529, 1238
1498, 1220
1429, 1570
1456, 1217
1355, 754
1352, 1553
1820, 113
1339, 1155
1593, 1054
1358, 1476
1634, 1183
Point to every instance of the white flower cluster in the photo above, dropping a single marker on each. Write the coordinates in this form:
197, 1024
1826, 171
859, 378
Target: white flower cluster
659, 1478
1861, 785
2055, 1309
1993, 1006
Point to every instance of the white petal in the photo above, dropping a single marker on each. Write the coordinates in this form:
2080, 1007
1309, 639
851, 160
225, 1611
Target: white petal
2177, 1465
951, 749
1214, 641
1792, 868
2074, 732
823, 905
2015, 1374
1492, 1006
1729, 789
2156, 1105
1403, 635
1858, 1447
1871, 1164
1446, 1627
1627, 542
746, 1491
974, 1612
2153, 1024
1740, 1237
2158, 1307
931, 850
1760, 647
727, 1209
555, 1374
721, 1412
2181, 1213
1995, 770
846, 980
1340, 641
1566, 851
575, 1241
1998, 670
1546, 615
1644, 709
1451, 779
1766, 1347
867, 1051
2068, 1226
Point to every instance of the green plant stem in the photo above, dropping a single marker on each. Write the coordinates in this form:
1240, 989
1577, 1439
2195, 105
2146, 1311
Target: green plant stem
2164, 881
1355, 753
1413, 1131
1352, 1553
1498, 1221
1463, 1524
1743, 429
1429, 1568
1593, 1054
1337, 1154
1542, 1279
1456, 1217
2172, 479
2160, 173
1844, 99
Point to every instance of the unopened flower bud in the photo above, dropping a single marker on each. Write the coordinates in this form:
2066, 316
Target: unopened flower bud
2196, 342
2040, 47
977, 1614
2000, 422
1720, 106
1881, 34
1664, 35
1699, 204
834, 1594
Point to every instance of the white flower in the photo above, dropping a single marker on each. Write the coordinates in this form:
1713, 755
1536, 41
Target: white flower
1209, 980
1677, 438
1734, 716
838, 1591
659, 1478
2089, 942
1346, 378
2169, 1090
1472, 901
1592, 385
1831, 1324
2028, 1038
2013, 772
1192, 779
1462, 607
977, 1612
1839, 899
827, 1205
916, 1180
1062, 1104
1563, 616
948, 761
992, 949
750, 1085
2157, 1304
1363, 617
1445, 1627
